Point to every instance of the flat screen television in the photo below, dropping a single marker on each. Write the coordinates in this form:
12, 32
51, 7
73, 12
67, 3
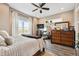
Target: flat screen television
40, 26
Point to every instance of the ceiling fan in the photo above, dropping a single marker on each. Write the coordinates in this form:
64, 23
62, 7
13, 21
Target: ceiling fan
40, 7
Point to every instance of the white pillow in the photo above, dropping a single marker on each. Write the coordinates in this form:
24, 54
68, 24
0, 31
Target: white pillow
4, 33
2, 41
9, 40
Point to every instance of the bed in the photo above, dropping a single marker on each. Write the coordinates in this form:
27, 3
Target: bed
23, 46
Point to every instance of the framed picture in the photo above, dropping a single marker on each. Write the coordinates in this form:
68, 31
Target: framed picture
62, 25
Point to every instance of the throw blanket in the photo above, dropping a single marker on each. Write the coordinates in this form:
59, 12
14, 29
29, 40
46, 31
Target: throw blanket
23, 46
31, 36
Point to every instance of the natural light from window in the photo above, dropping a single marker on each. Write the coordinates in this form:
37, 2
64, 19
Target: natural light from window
23, 27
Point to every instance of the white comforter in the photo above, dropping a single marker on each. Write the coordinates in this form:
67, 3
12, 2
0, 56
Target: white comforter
23, 46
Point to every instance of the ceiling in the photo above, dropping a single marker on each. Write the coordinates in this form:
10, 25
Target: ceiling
54, 8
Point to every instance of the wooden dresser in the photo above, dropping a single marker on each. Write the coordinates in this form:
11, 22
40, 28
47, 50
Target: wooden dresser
63, 37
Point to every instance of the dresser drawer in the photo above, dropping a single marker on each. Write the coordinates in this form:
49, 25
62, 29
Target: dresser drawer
67, 39
69, 43
68, 33
67, 36
56, 41
56, 35
56, 38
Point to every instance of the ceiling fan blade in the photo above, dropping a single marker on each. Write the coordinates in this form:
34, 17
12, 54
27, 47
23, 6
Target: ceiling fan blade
34, 10
35, 5
40, 11
45, 8
42, 4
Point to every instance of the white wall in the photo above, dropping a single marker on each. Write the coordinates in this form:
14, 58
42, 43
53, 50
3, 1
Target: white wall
76, 20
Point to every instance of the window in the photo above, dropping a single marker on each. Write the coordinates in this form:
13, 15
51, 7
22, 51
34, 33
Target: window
23, 27
21, 24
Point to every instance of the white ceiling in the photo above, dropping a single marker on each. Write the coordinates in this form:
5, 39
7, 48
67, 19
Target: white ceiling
54, 8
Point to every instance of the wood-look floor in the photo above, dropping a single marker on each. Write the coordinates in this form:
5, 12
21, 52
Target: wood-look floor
59, 49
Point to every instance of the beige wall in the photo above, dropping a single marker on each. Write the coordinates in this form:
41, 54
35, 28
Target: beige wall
34, 25
4, 18
66, 16
41, 21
